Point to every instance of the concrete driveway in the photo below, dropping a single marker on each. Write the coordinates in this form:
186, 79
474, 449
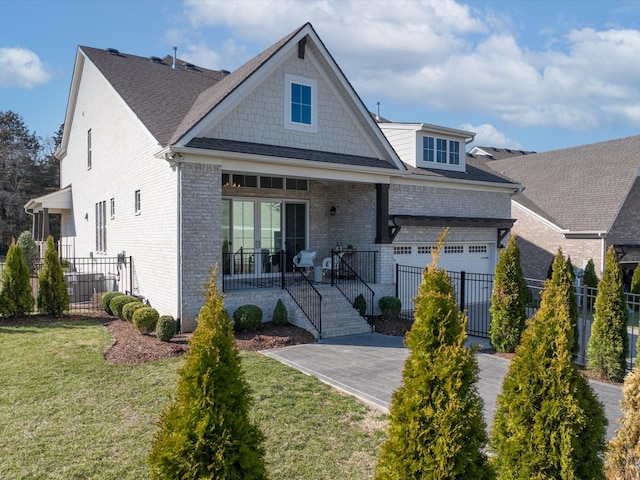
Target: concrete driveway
369, 366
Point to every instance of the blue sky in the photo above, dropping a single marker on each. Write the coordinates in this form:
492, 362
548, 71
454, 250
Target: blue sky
537, 75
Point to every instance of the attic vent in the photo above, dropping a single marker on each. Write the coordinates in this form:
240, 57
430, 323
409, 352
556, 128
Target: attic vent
190, 66
112, 51
225, 72
155, 59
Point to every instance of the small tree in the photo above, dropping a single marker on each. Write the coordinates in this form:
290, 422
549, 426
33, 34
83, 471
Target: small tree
622, 461
548, 422
591, 280
609, 342
53, 296
30, 251
436, 429
205, 432
564, 277
16, 296
508, 300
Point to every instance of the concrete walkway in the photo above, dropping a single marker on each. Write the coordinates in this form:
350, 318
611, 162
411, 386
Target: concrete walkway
369, 366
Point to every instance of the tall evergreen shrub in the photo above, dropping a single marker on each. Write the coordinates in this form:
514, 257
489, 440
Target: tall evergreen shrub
30, 251
16, 295
205, 432
53, 296
548, 423
564, 277
622, 461
436, 428
508, 300
609, 342
591, 280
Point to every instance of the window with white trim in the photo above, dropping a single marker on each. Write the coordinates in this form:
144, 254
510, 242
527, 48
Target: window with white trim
137, 202
113, 207
89, 149
440, 151
101, 227
301, 104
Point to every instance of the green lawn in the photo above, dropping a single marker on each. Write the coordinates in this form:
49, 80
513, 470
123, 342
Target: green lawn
65, 413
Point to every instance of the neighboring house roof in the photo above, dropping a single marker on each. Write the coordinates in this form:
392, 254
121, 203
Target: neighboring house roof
579, 189
493, 153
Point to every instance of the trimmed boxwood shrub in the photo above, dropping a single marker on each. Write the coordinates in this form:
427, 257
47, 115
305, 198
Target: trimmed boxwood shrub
280, 316
106, 299
129, 308
360, 304
390, 307
145, 319
117, 303
247, 318
166, 328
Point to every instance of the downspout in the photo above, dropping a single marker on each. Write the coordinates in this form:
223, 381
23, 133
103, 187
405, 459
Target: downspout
174, 160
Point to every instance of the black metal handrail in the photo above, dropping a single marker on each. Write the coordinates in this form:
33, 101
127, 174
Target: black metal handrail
351, 284
307, 297
250, 268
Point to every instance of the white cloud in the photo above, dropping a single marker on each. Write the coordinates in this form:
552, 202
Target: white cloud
20, 67
446, 55
488, 136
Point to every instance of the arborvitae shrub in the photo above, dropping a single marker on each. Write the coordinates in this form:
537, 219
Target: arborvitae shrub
622, 461
247, 318
280, 316
106, 299
548, 422
609, 342
30, 251
564, 277
390, 307
508, 300
206, 431
129, 309
116, 304
145, 319
436, 428
53, 296
166, 328
590, 280
16, 294
360, 304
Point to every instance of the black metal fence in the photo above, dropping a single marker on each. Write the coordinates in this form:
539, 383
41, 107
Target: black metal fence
473, 291
351, 284
88, 278
306, 297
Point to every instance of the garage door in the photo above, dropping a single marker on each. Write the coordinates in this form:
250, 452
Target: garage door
470, 258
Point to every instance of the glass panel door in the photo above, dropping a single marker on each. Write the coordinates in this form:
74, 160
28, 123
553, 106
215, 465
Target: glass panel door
296, 230
243, 234
270, 240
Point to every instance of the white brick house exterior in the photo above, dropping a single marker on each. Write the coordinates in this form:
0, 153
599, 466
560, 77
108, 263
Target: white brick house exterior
196, 162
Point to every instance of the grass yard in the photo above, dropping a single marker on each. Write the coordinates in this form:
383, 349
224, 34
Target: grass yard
67, 414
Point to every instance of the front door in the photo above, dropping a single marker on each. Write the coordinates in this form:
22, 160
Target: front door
254, 229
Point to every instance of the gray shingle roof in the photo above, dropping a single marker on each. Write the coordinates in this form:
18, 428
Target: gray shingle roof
580, 188
288, 152
498, 153
169, 102
476, 171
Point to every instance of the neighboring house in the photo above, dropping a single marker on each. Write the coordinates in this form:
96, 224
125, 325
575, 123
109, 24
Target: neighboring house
183, 168
493, 153
581, 199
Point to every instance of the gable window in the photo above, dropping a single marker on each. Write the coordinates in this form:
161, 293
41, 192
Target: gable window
137, 202
440, 151
301, 110
89, 149
101, 227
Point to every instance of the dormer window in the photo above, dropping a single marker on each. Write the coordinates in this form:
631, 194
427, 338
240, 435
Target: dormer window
440, 151
301, 104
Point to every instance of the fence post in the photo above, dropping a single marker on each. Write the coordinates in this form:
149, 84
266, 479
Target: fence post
283, 259
583, 333
397, 280
462, 290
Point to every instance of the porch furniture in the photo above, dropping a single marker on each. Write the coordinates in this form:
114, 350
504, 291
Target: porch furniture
304, 260
326, 266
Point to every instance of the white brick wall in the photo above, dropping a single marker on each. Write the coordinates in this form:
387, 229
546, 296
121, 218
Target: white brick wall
122, 162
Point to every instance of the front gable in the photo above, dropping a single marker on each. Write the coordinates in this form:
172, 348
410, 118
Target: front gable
298, 99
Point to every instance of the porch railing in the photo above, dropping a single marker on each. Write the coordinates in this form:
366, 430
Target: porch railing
250, 268
306, 297
351, 284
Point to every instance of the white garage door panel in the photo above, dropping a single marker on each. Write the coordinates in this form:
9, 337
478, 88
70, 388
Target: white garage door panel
474, 258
